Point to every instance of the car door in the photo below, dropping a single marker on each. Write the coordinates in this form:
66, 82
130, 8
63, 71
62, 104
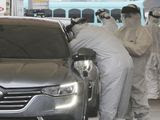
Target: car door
93, 92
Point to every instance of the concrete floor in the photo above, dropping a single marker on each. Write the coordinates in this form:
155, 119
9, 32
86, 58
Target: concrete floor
155, 110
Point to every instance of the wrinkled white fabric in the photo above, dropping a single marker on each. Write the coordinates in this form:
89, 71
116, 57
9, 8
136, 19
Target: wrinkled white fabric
78, 28
153, 65
137, 40
115, 67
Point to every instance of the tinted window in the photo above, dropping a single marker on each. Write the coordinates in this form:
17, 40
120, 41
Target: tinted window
59, 13
47, 12
29, 13
74, 13
88, 14
29, 41
38, 13
116, 14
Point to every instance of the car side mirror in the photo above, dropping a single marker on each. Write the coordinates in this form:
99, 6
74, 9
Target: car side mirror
84, 54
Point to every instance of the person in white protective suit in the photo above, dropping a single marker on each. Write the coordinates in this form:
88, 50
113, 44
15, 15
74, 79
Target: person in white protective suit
107, 20
115, 66
137, 40
153, 65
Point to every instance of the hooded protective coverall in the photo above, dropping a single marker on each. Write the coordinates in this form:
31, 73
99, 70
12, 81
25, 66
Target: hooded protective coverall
115, 65
137, 41
107, 20
153, 65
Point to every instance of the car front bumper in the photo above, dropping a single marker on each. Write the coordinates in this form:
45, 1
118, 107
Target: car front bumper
66, 107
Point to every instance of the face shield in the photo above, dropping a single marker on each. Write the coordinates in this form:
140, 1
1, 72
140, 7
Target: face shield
130, 19
125, 16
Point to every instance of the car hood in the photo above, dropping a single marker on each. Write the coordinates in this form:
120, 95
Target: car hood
34, 74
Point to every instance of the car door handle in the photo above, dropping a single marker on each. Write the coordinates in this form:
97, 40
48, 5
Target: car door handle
91, 85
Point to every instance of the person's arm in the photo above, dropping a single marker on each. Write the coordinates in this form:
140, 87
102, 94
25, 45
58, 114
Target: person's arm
141, 45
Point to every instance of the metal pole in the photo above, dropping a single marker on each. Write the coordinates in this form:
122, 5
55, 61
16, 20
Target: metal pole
12, 9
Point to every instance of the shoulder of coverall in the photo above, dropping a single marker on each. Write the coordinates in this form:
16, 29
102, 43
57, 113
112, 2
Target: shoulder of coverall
144, 30
121, 28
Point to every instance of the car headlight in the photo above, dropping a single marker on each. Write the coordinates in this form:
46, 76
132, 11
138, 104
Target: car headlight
61, 90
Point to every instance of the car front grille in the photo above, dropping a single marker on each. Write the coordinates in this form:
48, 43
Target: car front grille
15, 99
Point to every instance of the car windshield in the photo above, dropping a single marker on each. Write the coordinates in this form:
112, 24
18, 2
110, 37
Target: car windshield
32, 42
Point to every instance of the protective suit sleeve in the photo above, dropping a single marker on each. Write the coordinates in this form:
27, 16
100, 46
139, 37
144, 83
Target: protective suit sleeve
72, 45
140, 45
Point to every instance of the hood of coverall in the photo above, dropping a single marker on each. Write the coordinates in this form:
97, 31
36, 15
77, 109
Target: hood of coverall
130, 16
154, 17
109, 23
107, 20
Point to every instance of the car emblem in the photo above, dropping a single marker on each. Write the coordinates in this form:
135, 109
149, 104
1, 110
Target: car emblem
1, 94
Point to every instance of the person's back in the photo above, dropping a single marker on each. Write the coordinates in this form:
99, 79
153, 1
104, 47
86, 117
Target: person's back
115, 65
96, 38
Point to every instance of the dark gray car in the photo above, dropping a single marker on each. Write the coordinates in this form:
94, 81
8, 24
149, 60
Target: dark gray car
39, 78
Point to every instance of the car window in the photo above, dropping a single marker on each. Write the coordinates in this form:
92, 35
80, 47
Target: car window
74, 13
59, 13
88, 14
35, 42
116, 14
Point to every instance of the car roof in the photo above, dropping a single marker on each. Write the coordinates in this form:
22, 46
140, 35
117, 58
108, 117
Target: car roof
64, 21
27, 20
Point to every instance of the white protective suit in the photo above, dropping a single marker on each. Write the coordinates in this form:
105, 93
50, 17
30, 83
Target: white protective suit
153, 65
137, 41
115, 67
108, 23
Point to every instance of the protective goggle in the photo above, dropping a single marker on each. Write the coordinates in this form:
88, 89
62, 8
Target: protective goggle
157, 17
100, 11
124, 16
151, 13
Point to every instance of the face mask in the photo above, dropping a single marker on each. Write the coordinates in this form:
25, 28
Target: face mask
125, 19
154, 20
130, 20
